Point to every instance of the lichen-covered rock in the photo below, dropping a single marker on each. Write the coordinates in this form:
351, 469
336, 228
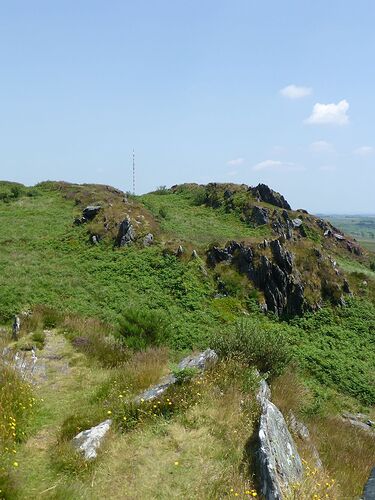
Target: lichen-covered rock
279, 462
148, 240
88, 442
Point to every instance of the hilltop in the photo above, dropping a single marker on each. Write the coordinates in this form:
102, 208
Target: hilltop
120, 287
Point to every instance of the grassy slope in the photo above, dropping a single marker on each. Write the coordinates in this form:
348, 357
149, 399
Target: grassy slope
199, 225
46, 260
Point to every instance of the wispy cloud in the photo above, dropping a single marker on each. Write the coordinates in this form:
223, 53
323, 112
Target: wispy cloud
295, 91
321, 147
364, 151
236, 161
277, 165
332, 113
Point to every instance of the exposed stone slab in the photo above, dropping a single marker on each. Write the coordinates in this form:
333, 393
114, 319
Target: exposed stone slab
88, 442
279, 462
201, 362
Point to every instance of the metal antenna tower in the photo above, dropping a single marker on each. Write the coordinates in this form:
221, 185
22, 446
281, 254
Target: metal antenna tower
133, 172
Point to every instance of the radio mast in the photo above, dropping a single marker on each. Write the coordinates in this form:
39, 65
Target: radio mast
133, 172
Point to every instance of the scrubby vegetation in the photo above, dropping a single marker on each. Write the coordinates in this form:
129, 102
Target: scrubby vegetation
115, 320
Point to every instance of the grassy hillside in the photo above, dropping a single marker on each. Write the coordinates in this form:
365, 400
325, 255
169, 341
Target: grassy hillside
361, 227
109, 321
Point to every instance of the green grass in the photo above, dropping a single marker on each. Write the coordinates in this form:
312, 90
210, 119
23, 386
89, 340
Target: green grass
47, 260
199, 225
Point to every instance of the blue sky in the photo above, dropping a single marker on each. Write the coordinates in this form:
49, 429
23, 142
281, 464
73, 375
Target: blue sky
246, 91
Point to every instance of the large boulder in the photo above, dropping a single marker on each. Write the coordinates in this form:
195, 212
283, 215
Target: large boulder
126, 234
91, 211
260, 215
87, 442
264, 193
279, 462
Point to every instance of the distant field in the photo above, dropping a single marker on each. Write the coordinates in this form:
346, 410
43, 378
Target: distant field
362, 227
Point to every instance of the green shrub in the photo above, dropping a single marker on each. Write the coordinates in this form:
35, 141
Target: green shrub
255, 342
184, 374
163, 212
140, 327
39, 339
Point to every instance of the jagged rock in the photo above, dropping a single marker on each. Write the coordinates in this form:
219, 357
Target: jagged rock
263, 193
303, 433
354, 248
126, 233
90, 212
201, 362
148, 240
302, 211
279, 462
283, 257
194, 254
88, 442
283, 291
260, 215
179, 251
369, 490
94, 239
228, 194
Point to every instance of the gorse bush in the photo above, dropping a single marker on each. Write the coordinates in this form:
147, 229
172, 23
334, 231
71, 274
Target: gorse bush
140, 327
255, 342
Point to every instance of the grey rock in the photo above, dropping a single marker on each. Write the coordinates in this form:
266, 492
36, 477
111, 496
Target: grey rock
297, 222
338, 236
360, 421
88, 442
16, 327
260, 215
126, 233
201, 362
179, 251
194, 254
263, 193
90, 212
264, 392
148, 240
369, 490
279, 461
298, 427
346, 287
283, 257
95, 239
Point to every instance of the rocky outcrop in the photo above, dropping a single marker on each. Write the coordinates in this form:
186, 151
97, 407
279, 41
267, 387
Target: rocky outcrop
201, 362
126, 233
279, 462
87, 442
88, 214
369, 490
260, 215
280, 282
264, 193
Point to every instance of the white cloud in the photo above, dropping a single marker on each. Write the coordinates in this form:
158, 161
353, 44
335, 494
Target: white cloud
236, 161
329, 113
295, 91
321, 147
327, 168
276, 165
364, 151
